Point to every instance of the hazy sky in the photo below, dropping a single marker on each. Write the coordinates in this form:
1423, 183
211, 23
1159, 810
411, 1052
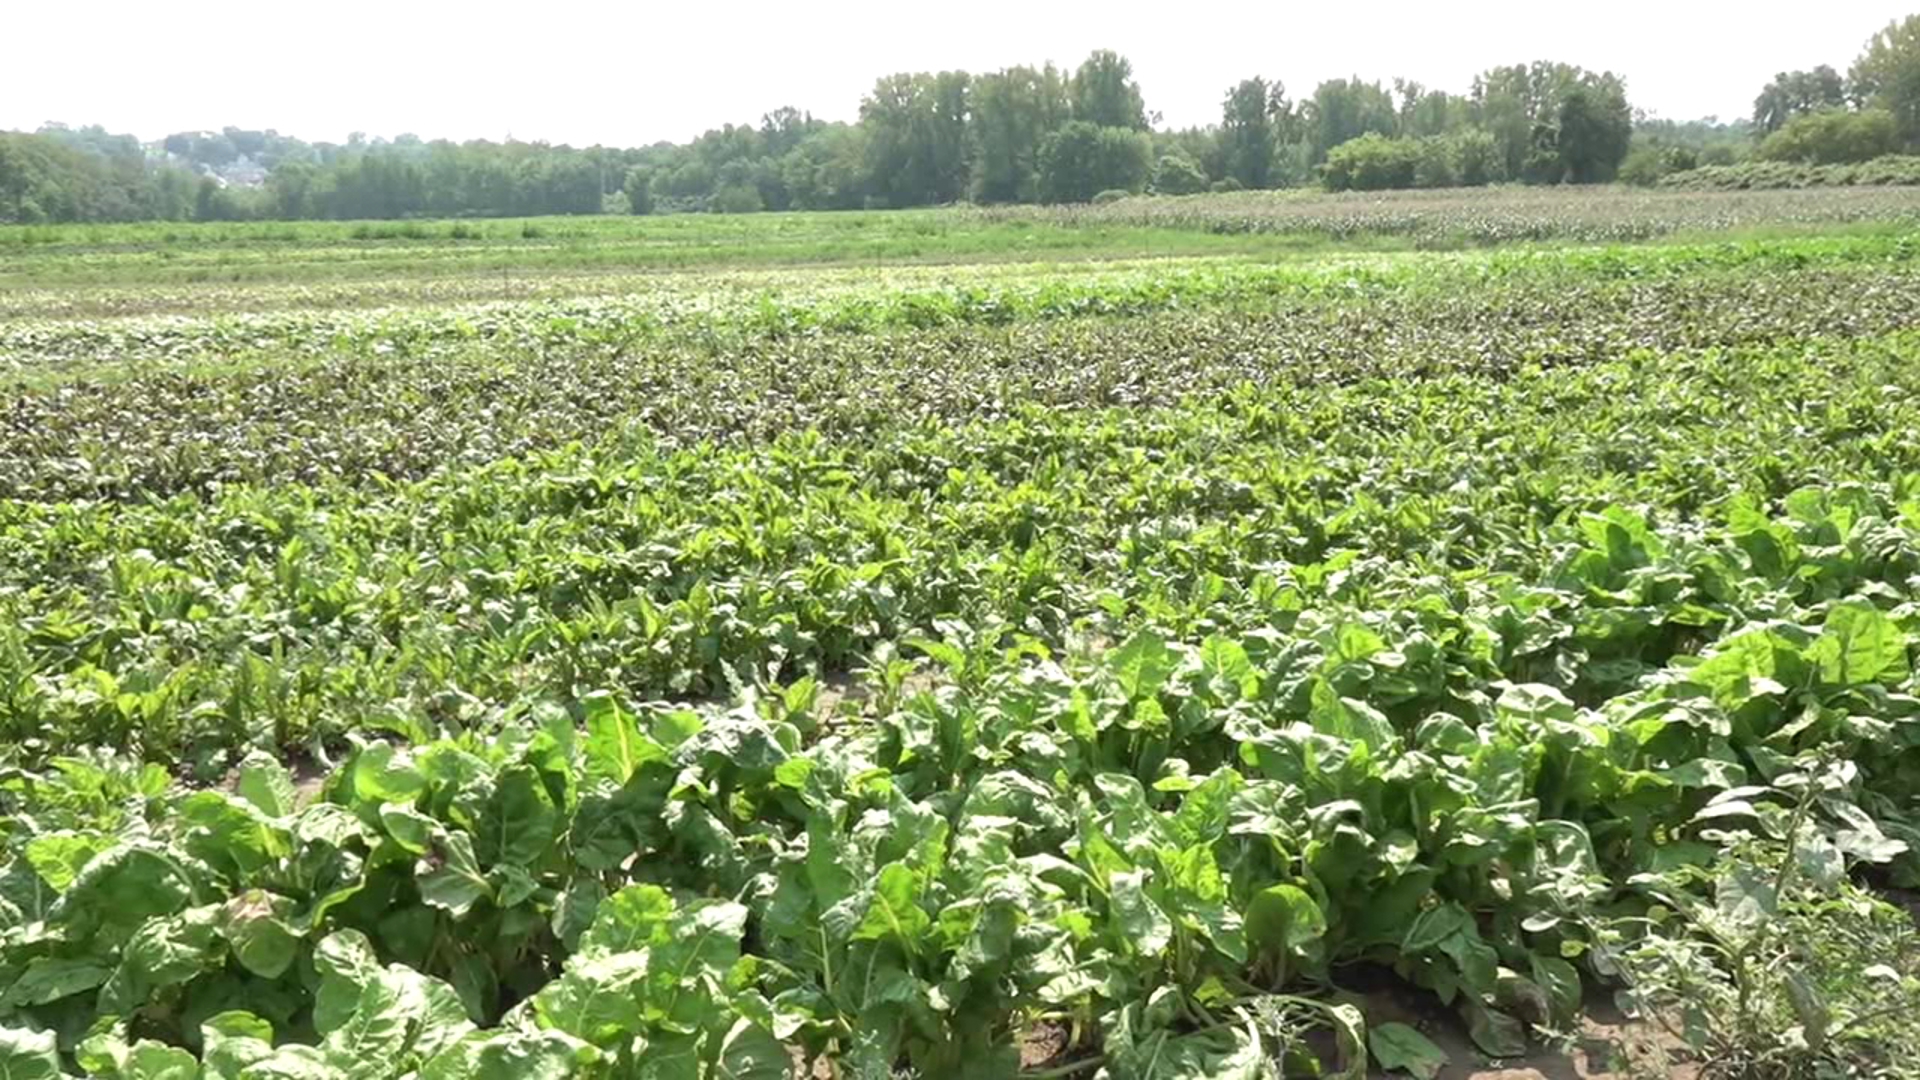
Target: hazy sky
629, 73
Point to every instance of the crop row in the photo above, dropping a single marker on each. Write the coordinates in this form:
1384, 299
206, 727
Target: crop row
1890, 170
1164, 716
1488, 216
280, 614
416, 394
309, 320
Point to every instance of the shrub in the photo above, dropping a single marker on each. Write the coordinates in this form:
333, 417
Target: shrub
1479, 159
1645, 166
1435, 164
638, 188
1081, 160
737, 199
1888, 171
1176, 174
1832, 137
1371, 162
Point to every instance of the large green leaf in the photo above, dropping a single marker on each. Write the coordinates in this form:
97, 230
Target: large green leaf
1347, 718
750, 1052
633, 918
380, 773
257, 932
1284, 916
59, 857
1143, 664
1858, 644
597, 999
149, 1060
518, 823
28, 1055
1397, 1046
550, 1055
295, 1062
347, 966
615, 747
231, 1041
163, 953
450, 877
1141, 923
50, 978
380, 1029
893, 910
692, 964
266, 784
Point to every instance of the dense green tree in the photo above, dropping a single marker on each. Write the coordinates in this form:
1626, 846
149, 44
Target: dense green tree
61, 174
1176, 174
1594, 128
737, 198
1012, 113
1478, 160
917, 139
1887, 76
1345, 109
172, 195
1200, 145
1371, 162
1792, 93
1524, 107
829, 170
921, 139
1431, 112
1081, 160
785, 128
1833, 137
689, 179
1251, 121
1105, 95
290, 190
638, 187
1518, 104
1292, 164
1374, 162
1705, 142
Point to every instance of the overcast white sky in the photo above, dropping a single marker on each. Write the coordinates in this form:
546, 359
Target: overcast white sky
628, 73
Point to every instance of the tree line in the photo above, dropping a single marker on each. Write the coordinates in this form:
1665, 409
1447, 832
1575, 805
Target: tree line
1022, 134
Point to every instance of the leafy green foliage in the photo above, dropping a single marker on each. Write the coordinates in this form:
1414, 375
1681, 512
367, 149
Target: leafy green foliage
1768, 960
1145, 698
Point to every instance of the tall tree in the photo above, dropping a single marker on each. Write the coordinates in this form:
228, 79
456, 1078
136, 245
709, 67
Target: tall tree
1343, 109
1792, 93
1012, 113
1250, 120
1105, 95
1520, 106
783, 129
828, 171
1887, 75
1426, 112
638, 186
1593, 129
917, 150
1081, 160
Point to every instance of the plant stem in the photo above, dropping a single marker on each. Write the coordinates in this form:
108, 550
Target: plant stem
1068, 1069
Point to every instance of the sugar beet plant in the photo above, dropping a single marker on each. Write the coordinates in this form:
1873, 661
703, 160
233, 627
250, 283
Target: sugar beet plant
1145, 722
1153, 846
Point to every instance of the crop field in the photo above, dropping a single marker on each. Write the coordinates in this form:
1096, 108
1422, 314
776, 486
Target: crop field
1101, 642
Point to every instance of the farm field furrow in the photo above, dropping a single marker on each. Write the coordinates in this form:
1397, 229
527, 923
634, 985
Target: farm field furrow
1255, 224
128, 410
897, 672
